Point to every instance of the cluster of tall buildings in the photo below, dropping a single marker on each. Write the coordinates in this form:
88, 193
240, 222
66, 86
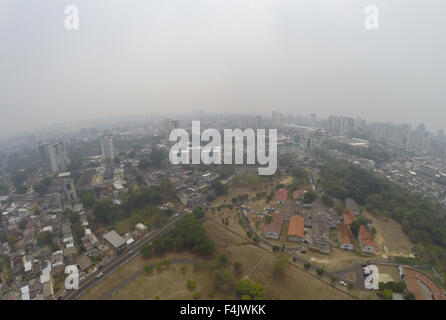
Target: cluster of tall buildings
169, 125
345, 125
399, 134
107, 148
276, 119
403, 135
54, 157
251, 122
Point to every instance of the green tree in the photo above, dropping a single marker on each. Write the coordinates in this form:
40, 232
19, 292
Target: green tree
218, 187
410, 296
309, 197
157, 156
280, 265
191, 284
387, 294
253, 289
44, 238
237, 266
328, 201
223, 281
223, 259
88, 200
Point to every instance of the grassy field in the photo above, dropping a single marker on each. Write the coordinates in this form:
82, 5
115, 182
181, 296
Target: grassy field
125, 271
388, 273
170, 284
294, 284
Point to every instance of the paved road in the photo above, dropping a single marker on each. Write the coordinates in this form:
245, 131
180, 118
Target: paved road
357, 270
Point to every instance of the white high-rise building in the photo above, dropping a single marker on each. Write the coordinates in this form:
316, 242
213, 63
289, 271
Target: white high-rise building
54, 157
108, 152
169, 125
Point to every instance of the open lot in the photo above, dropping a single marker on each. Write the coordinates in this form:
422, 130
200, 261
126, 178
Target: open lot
388, 273
115, 278
170, 284
295, 284
390, 238
337, 259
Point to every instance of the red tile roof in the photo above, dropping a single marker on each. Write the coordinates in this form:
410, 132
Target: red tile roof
282, 194
345, 234
275, 225
366, 237
349, 217
296, 227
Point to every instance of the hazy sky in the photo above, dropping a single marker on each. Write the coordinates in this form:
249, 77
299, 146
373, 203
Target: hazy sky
142, 56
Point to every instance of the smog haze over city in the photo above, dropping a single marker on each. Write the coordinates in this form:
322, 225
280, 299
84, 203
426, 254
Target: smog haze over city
222, 150
137, 57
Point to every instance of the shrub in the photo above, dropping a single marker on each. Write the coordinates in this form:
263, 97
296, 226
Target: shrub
191, 284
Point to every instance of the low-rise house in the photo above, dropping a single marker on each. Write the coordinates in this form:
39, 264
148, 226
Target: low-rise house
345, 235
366, 241
282, 194
319, 236
116, 241
349, 217
272, 230
84, 263
141, 229
296, 228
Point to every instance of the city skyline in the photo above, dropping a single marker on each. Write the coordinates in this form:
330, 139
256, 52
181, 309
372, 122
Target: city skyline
255, 56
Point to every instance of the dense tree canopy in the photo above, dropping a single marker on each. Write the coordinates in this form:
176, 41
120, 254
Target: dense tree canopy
187, 233
423, 221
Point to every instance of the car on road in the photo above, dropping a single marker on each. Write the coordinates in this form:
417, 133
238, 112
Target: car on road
303, 251
131, 252
99, 275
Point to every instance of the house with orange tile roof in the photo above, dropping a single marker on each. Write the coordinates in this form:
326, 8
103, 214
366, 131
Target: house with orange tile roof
348, 216
366, 241
296, 228
282, 194
345, 235
272, 230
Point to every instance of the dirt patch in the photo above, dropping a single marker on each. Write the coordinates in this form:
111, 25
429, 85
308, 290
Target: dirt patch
295, 284
390, 238
388, 273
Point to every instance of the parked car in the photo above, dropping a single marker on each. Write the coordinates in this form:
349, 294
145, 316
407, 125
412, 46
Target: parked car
343, 283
